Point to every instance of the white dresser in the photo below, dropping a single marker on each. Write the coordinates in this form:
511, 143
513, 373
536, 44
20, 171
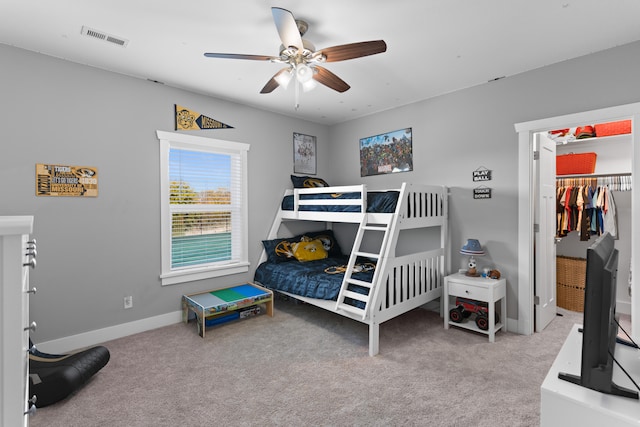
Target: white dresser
17, 257
566, 404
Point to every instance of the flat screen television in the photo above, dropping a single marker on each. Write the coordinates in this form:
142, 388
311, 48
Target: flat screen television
600, 327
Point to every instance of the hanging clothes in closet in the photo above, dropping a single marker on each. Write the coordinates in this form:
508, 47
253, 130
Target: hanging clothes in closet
587, 205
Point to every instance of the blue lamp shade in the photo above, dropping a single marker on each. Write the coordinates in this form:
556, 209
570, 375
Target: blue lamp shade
472, 247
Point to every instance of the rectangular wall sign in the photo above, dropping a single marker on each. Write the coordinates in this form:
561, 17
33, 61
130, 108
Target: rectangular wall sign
482, 174
482, 193
70, 181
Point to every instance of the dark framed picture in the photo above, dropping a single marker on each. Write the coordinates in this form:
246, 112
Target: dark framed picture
304, 153
389, 152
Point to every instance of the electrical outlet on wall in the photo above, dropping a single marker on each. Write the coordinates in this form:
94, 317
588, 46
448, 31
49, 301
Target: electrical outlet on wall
128, 301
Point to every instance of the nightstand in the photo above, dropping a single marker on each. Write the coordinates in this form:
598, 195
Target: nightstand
480, 289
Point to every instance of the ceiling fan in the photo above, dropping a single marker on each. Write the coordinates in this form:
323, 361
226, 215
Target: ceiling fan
301, 57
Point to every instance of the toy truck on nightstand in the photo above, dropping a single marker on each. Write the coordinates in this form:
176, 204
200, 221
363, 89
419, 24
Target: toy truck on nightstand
465, 307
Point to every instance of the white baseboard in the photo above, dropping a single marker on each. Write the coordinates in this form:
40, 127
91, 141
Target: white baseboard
91, 338
623, 307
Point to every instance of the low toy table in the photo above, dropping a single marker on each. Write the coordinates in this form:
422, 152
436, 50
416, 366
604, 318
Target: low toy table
223, 301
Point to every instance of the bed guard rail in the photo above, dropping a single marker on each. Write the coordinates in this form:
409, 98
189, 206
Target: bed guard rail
360, 188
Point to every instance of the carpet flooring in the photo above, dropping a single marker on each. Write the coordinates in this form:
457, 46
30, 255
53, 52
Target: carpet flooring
309, 367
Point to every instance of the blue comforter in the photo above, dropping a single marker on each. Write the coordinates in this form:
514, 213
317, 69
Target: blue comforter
309, 278
377, 201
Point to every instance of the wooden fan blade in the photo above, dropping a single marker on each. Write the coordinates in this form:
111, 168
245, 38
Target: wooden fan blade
330, 80
273, 83
239, 56
287, 28
354, 50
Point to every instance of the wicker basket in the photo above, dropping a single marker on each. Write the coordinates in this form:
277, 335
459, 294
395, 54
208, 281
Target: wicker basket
570, 282
578, 163
613, 128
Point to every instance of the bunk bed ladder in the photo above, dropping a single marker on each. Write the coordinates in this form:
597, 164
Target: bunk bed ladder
345, 292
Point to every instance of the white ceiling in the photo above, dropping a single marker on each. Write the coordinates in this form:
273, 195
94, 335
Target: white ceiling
434, 46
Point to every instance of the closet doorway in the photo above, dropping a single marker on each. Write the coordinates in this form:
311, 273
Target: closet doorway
610, 186
528, 183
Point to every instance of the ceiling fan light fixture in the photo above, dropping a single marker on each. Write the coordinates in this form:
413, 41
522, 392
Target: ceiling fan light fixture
283, 79
309, 85
304, 73
301, 60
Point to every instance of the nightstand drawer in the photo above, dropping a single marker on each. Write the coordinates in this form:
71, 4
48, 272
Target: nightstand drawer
469, 291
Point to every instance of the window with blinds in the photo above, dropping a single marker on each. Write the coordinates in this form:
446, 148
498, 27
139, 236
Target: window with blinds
205, 207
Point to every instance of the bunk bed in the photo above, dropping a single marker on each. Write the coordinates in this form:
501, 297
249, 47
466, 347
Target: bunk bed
373, 283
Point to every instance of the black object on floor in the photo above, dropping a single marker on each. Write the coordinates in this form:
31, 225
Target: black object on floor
52, 377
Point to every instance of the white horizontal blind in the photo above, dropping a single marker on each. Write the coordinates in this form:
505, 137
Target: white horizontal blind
205, 194
203, 209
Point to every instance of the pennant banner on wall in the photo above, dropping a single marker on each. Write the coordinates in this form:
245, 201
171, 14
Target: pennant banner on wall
187, 119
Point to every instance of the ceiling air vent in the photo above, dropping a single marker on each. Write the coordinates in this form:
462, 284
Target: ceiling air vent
101, 35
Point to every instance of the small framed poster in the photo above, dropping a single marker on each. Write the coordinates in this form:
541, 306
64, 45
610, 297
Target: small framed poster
304, 153
389, 152
69, 181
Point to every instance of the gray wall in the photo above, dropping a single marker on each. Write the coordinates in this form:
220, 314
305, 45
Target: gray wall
93, 252
457, 133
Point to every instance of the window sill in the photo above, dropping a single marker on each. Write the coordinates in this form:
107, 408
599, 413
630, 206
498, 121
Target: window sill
182, 276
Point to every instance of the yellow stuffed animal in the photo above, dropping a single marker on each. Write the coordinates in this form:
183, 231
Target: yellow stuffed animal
309, 250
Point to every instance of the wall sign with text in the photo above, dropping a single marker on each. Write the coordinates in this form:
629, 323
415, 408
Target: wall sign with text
69, 181
481, 174
482, 192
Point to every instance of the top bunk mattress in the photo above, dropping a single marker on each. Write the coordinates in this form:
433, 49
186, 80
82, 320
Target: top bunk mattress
377, 202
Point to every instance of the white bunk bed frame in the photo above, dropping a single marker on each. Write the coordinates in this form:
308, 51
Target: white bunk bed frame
400, 283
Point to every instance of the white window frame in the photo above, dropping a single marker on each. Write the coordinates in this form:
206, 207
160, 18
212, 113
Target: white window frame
171, 276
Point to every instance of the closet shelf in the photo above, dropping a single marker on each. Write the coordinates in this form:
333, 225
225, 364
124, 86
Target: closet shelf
611, 138
594, 175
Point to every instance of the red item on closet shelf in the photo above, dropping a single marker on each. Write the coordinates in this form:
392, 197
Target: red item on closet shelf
613, 128
575, 163
585, 132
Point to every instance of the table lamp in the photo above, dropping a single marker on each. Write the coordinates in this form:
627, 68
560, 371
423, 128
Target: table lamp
473, 249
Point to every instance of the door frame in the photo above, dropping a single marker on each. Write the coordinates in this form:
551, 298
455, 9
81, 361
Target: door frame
545, 204
526, 131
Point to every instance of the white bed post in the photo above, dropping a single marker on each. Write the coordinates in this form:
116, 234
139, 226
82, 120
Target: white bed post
445, 265
374, 337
